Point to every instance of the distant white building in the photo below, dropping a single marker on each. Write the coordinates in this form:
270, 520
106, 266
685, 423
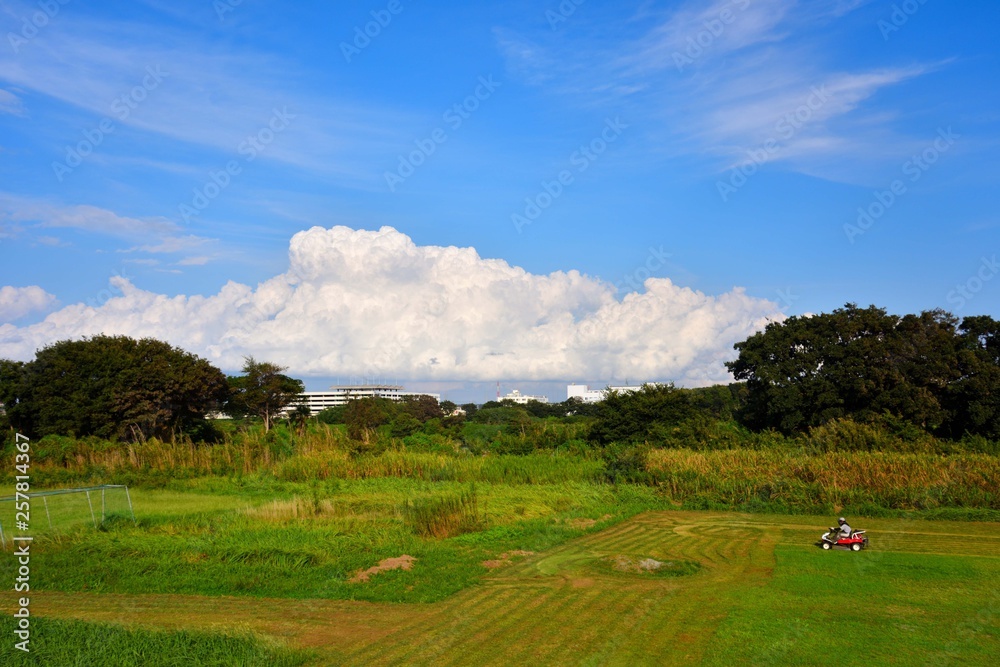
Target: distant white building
317, 401
588, 395
520, 398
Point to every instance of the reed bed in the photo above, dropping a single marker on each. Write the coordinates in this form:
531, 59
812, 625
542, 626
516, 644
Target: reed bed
834, 479
326, 454
443, 516
500, 469
778, 478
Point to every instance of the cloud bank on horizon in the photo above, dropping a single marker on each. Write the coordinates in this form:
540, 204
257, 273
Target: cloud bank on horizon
356, 302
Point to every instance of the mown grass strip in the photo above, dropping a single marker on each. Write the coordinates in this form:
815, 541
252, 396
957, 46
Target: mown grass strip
63, 642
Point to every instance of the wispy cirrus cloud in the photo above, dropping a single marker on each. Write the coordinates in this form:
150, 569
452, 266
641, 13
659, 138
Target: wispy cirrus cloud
194, 261
718, 80
208, 98
680, 39
153, 235
10, 103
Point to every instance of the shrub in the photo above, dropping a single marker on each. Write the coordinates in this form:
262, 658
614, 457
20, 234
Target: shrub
508, 415
423, 442
518, 443
626, 463
885, 434
980, 445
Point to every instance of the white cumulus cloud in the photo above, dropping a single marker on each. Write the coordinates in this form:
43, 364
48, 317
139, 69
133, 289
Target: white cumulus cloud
17, 302
357, 302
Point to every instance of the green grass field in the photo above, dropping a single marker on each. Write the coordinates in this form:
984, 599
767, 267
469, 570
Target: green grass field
219, 573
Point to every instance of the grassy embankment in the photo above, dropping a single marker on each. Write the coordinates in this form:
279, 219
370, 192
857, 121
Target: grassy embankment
288, 517
757, 592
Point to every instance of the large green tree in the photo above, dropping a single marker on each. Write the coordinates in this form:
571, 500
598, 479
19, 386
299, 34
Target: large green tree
974, 400
863, 362
262, 391
111, 387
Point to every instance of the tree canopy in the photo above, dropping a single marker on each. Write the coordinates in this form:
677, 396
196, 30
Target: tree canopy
860, 363
642, 415
363, 416
111, 387
262, 391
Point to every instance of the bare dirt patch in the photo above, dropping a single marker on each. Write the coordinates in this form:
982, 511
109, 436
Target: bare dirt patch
649, 566
505, 558
586, 523
626, 564
403, 562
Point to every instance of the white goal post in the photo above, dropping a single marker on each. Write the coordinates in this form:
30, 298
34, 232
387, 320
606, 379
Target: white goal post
65, 508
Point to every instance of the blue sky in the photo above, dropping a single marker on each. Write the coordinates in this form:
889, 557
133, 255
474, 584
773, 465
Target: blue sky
708, 146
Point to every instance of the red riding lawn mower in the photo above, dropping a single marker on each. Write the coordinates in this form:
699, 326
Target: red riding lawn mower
856, 541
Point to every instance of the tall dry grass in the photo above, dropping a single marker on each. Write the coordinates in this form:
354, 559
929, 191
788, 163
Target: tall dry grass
510, 469
796, 479
321, 453
835, 479
64, 460
443, 516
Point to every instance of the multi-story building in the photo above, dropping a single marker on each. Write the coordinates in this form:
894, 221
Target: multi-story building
317, 401
518, 397
588, 395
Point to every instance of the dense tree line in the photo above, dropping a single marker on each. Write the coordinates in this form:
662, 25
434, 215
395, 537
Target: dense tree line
568, 408
858, 376
120, 388
111, 387
910, 377
930, 369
